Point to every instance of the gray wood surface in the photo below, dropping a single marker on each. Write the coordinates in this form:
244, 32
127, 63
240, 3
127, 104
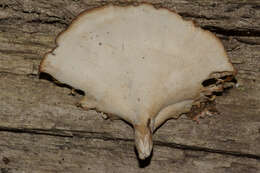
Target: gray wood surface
42, 130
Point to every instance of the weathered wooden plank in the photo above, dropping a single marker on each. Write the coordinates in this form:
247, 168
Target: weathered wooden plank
39, 153
230, 15
30, 108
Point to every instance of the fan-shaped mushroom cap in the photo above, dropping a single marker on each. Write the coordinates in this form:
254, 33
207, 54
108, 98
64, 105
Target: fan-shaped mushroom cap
144, 65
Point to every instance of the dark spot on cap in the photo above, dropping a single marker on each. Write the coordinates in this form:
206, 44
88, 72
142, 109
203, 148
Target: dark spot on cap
99, 43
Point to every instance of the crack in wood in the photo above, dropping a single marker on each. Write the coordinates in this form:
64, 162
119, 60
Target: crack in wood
51, 22
188, 15
106, 137
247, 41
209, 150
17, 52
30, 75
232, 32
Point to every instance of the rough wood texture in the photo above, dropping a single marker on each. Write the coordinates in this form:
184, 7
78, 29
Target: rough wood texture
41, 129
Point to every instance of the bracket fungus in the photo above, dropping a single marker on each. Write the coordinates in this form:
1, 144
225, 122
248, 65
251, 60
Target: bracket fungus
140, 64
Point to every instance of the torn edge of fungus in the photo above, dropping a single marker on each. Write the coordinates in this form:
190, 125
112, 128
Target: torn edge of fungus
215, 84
